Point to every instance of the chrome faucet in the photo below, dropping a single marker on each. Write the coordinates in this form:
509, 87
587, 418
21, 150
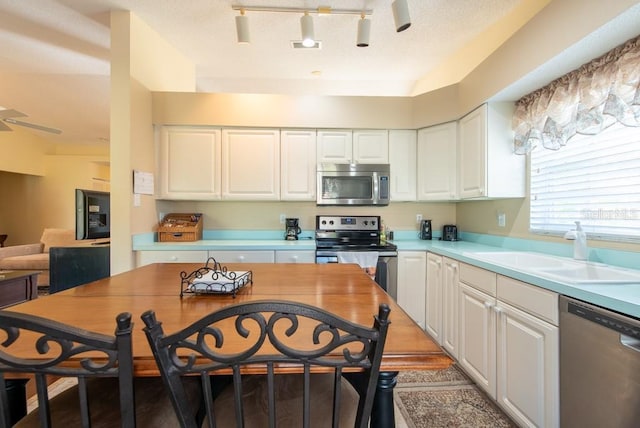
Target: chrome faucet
579, 238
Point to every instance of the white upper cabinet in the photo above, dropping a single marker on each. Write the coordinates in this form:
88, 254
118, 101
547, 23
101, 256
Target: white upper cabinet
252, 164
371, 146
298, 165
402, 157
189, 163
437, 165
347, 146
335, 146
487, 165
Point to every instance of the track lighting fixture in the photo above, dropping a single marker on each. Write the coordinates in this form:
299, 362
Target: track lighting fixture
401, 15
242, 28
364, 29
306, 26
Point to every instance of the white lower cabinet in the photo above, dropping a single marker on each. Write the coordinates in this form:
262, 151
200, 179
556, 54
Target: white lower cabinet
508, 344
148, 257
433, 297
450, 293
238, 256
441, 306
412, 271
527, 368
286, 256
477, 351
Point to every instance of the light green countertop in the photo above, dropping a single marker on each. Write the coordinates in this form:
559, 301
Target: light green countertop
229, 244
623, 298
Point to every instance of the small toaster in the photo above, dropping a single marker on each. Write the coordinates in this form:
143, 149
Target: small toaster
449, 232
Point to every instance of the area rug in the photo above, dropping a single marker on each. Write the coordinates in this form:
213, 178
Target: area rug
445, 398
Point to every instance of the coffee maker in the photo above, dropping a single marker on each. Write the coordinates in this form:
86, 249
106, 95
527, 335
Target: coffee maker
291, 230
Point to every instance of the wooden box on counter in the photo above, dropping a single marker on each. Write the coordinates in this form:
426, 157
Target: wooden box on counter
178, 227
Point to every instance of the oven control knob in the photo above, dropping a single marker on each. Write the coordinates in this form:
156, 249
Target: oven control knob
373, 222
324, 222
365, 222
331, 222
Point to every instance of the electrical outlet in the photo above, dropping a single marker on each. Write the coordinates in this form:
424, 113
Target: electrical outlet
282, 218
502, 219
418, 218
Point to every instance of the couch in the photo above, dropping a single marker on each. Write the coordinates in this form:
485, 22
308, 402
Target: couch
36, 256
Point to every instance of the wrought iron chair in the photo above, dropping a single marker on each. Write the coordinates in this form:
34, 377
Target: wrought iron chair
102, 365
247, 340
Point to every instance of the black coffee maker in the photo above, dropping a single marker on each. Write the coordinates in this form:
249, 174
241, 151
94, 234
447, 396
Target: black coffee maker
291, 229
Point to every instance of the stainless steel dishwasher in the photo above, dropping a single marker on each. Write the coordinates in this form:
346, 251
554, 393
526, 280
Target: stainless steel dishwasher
599, 367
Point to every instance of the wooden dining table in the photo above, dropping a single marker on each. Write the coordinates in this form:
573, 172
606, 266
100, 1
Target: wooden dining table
343, 289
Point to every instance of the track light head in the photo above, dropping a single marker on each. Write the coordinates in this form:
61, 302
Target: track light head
306, 26
364, 30
242, 28
401, 15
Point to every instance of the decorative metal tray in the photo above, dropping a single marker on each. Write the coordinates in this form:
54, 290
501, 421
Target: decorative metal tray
213, 278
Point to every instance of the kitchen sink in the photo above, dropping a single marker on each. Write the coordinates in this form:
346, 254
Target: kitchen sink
592, 274
561, 269
523, 260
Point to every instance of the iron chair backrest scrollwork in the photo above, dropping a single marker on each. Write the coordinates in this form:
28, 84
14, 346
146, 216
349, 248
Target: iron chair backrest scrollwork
66, 351
269, 334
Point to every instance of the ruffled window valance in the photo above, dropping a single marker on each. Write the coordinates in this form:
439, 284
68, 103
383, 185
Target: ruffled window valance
584, 101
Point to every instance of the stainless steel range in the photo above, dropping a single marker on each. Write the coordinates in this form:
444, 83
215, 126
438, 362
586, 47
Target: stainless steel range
337, 235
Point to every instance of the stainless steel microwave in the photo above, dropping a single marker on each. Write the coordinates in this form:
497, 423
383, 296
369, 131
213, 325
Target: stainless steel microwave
353, 184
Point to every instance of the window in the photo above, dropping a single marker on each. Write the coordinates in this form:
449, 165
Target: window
594, 179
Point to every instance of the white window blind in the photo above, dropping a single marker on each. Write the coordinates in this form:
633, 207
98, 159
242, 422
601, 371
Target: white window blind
594, 179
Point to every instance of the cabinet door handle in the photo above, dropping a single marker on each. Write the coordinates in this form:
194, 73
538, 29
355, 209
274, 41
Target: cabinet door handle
294, 259
497, 309
174, 258
488, 305
241, 258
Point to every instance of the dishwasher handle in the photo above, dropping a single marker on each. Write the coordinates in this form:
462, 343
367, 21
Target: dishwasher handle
630, 342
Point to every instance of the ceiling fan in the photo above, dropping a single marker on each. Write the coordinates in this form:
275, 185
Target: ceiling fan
9, 115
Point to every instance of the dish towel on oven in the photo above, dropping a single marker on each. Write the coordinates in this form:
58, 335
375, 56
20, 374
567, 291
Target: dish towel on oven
367, 260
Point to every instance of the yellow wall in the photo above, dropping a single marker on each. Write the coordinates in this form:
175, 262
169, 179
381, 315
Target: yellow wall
141, 61
20, 211
23, 152
184, 108
266, 215
30, 203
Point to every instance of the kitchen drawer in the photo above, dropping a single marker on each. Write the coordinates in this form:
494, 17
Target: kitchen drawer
148, 257
285, 256
479, 278
534, 300
236, 256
